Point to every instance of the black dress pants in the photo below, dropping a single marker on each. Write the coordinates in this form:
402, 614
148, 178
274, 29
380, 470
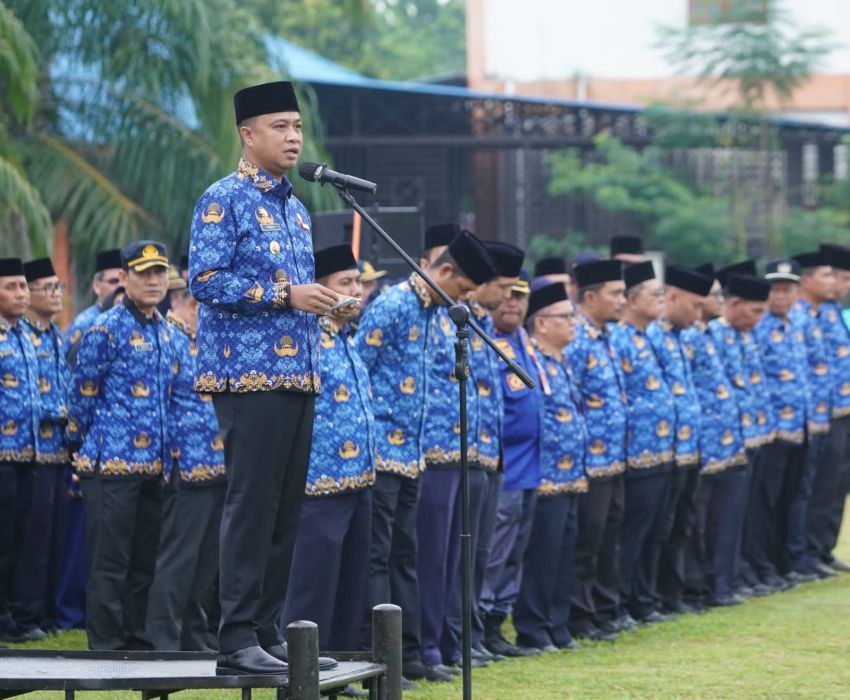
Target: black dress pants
181, 596
392, 556
267, 437
122, 537
596, 584
678, 518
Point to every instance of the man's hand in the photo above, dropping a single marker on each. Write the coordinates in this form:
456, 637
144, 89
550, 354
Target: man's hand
312, 298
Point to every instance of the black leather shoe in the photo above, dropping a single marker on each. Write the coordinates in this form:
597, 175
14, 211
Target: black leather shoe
488, 655
279, 651
571, 645
654, 617
822, 571
549, 649
726, 601
594, 634
500, 645
251, 661
450, 670
416, 670
762, 589
801, 576
838, 565
626, 623
407, 684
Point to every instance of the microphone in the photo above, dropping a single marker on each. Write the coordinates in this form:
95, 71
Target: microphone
319, 172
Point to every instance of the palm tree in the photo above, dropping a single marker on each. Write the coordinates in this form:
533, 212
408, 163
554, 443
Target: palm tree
136, 117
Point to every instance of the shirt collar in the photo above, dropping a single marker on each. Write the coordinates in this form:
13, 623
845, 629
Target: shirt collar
421, 291
143, 320
328, 326
180, 324
261, 179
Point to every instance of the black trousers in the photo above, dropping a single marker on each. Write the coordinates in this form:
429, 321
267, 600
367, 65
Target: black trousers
765, 530
481, 553
330, 567
678, 518
122, 537
181, 596
392, 556
450, 644
713, 551
640, 539
16, 488
836, 512
821, 534
596, 584
267, 437
796, 495
542, 610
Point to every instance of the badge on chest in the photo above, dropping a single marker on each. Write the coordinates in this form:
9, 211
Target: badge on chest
266, 220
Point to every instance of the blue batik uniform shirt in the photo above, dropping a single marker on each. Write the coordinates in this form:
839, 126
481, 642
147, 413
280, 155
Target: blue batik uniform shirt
521, 426
596, 371
195, 444
441, 436
781, 350
730, 345
118, 399
756, 378
53, 378
342, 456
651, 435
721, 441
20, 408
665, 340
816, 365
391, 340
486, 382
838, 342
84, 320
251, 242
564, 433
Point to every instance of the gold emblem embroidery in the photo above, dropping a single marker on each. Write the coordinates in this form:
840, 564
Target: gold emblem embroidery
597, 447
566, 463
514, 382
638, 341
739, 381
761, 419
89, 388
265, 219
217, 444
456, 428
286, 347
652, 383
46, 431
341, 395
396, 437
36, 341
484, 389
722, 392
727, 438
140, 390
684, 432
776, 335
755, 378
591, 361
374, 338
349, 450
10, 427
844, 390
786, 413
10, 381
746, 421
821, 369
141, 441
136, 339
413, 335
445, 325
206, 398
213, 214
594, 401
671, 345
678, 388
786, 375
206, 276
662, 429
564, 415
485, 437
226, 351
327, 341
44, 385
626, 364
477, 343
407, 385
821, 407
255, 294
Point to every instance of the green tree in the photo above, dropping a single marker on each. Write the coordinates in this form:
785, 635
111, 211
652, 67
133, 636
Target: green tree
757, 51
689, 225
136, 117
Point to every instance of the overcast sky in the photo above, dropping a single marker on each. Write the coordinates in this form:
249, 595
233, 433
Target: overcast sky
535, 39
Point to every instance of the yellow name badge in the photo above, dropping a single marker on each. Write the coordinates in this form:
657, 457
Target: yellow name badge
266, 220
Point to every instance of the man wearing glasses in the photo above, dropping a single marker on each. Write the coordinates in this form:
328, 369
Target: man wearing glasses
105, 281
31, 583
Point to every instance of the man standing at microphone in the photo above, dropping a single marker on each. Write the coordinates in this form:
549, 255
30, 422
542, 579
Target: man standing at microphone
251, 268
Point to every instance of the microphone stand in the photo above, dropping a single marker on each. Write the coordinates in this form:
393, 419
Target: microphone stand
459, 315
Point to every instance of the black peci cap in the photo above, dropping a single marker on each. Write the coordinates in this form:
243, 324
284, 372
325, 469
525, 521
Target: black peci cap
39, 269
334, 259
638, 273
745, 267
630, 245
747, 287
706, 269
11, 267
472, 257
550, 266
688, 279
108, 260
141, 255
267, 98
507, 258
440, 235
815, 258
545, 296
787, 270
838, 255
598, 272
